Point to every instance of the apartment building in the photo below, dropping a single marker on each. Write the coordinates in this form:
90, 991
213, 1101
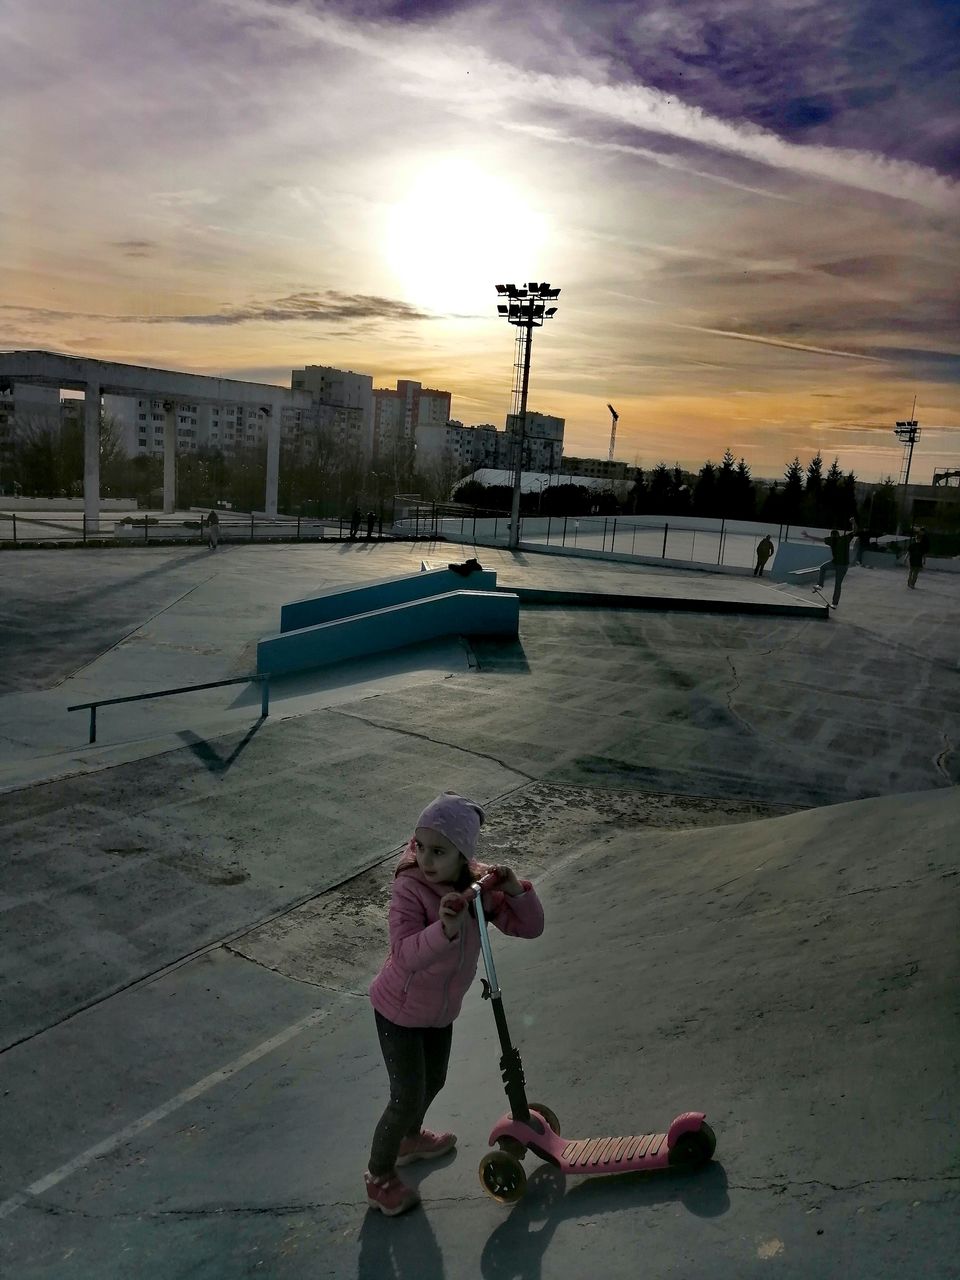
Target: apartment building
400, 413
341, 407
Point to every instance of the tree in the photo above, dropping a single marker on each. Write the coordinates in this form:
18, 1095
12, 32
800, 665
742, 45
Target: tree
745, 497
705, 491
792, 494
726, 485
883, 512
661, 490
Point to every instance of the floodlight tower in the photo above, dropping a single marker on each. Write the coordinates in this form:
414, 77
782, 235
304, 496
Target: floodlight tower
615, 418
525, 307
909, 433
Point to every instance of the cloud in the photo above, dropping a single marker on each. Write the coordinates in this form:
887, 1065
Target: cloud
778, 342
136, 248
330, 308
466, 77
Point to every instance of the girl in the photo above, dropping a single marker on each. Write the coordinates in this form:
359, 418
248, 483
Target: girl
434, 949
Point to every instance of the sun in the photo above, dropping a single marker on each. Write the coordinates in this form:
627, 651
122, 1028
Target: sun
456, 232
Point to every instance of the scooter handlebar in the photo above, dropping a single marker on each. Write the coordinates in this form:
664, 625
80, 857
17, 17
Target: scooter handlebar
489, 880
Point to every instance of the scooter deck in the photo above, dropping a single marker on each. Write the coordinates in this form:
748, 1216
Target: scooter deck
630, 1154
609, 1155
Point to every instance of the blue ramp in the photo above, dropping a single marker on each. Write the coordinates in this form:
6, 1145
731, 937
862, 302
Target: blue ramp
342, 602
470, 613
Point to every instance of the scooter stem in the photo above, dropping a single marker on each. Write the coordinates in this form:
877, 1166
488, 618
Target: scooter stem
511, 1066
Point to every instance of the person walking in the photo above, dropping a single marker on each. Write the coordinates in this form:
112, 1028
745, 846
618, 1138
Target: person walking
839, 562
213, 530
416, 996
764, 552
371, 521
355, 522
916, 556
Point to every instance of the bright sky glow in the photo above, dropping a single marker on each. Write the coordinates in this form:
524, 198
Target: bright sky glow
751, 209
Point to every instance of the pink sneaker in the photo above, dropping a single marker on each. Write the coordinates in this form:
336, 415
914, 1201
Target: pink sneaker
389, 1194
427, 1145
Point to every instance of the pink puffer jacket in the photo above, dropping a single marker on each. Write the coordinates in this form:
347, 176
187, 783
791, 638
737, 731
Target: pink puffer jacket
426, 975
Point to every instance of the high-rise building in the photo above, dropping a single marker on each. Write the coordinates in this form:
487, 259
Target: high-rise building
399, 415
342, 407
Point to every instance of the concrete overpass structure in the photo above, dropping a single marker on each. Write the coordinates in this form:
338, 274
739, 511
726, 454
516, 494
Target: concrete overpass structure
96, 378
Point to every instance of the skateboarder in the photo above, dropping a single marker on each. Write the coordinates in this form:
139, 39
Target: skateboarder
839, 562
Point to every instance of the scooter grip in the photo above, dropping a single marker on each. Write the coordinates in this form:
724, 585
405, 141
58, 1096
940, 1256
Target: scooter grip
488, 881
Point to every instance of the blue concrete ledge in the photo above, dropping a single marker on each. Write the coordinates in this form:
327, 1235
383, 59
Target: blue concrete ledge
469, 613
343, 602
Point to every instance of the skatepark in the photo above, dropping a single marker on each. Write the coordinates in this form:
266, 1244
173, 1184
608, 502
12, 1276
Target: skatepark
740, 812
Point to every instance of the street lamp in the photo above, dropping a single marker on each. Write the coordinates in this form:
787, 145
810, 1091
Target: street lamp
525, 308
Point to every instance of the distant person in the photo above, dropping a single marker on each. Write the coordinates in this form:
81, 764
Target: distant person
213, 530
916, 556
355, 522
764, 552
863, 542
371, 521
839, 562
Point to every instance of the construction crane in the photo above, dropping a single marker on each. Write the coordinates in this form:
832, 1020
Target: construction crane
615, 418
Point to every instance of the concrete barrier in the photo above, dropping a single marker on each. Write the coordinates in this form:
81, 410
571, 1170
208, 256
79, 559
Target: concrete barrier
470, 613
343, 602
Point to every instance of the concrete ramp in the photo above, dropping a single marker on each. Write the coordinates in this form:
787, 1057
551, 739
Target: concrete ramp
330, 603
482, 613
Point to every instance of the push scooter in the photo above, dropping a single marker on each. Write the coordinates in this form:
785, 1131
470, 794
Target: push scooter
687, 1144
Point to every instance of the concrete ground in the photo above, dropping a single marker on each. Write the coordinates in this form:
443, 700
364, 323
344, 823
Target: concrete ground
744, 830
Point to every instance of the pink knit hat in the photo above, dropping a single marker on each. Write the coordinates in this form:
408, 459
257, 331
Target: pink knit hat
456, 818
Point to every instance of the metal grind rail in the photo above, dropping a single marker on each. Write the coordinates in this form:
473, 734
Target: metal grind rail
263, 681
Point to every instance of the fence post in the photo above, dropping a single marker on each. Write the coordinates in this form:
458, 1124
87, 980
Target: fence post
474, 528
564, 542
603, 540
251, 525
693, 546
723, 526
14, 528
84, 526
786, 537
93, 723
549, 522
634, 550
613, 533
264, 697
663, 553
298, 526
146, 527
496, 521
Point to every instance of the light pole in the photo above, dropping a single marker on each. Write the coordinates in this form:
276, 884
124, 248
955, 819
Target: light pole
525, 308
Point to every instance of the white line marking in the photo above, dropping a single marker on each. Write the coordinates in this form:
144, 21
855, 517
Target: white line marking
159, 1113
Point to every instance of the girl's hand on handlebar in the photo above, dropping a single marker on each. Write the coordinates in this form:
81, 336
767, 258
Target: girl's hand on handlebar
452, 914
508, 882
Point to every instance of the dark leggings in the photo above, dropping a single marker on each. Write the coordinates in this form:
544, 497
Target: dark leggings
416, 1059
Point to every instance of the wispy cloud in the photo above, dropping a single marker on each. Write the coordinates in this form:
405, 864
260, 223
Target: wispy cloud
491, 89
330, 308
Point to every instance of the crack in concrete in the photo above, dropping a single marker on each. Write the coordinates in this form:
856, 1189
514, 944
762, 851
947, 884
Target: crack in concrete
910, 1180
437, 742
292, 977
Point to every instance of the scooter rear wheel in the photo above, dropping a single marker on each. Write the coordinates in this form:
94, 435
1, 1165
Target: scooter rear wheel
548, 1115
502, 1177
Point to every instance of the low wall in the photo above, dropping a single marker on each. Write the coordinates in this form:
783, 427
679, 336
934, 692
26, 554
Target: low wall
53, 505
478, 613
342, 602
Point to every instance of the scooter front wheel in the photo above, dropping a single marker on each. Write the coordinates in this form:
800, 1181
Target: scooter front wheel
691, 1150
502, 1177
